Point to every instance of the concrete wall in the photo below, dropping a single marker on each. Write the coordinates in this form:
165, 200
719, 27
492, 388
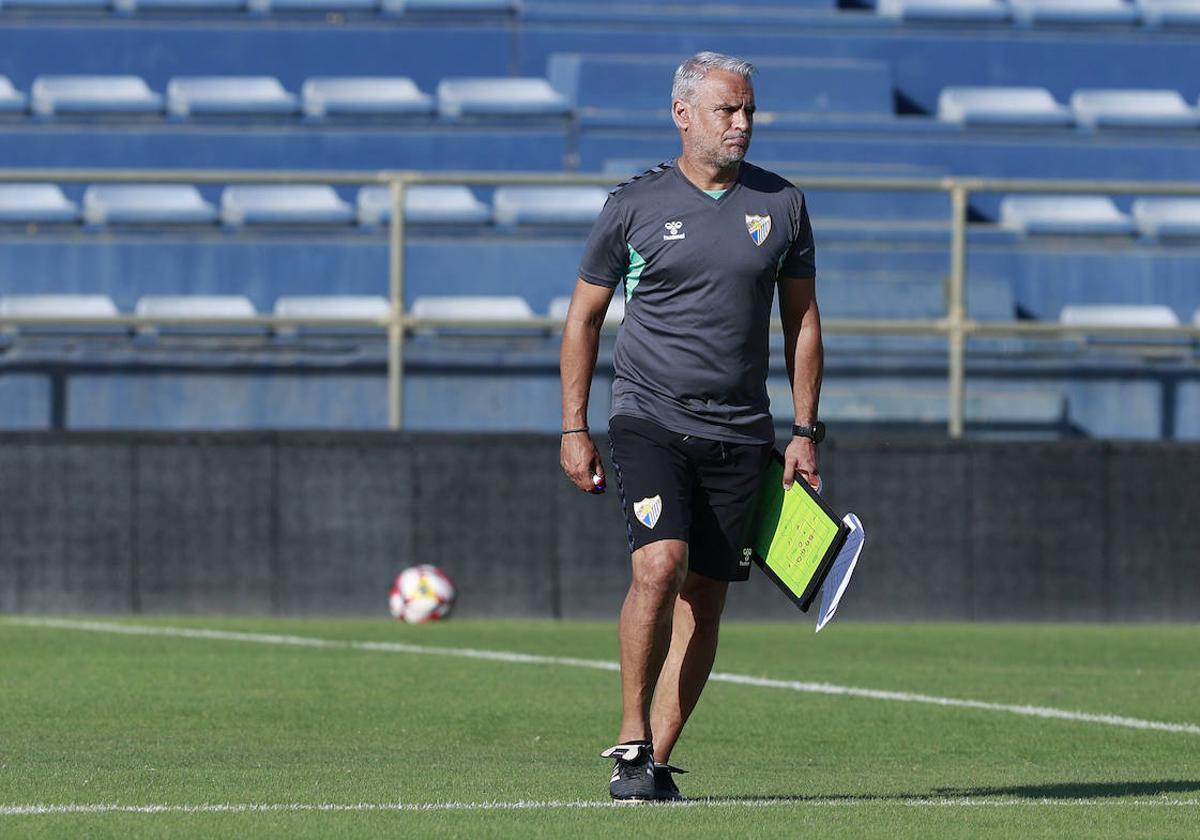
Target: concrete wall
299, 523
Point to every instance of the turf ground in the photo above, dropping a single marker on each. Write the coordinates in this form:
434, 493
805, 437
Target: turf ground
150, 735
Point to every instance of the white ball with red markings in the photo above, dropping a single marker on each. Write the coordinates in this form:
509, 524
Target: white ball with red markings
420, 594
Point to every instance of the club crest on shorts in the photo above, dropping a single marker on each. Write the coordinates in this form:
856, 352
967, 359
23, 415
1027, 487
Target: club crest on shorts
648, 510
759, 228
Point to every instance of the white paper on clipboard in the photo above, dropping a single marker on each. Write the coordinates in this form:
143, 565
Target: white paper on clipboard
841, 571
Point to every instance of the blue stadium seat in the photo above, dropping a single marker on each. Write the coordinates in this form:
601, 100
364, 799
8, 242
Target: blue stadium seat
107, 204
283, 204
1001, 106
550, 205
436, 204
1123, 315
332, 96
12, 101
1063, 214
1162, 218
953, 10
35, 203
51, 95
189, 96
1132, 108
1169, 12
1073, 11
469, 97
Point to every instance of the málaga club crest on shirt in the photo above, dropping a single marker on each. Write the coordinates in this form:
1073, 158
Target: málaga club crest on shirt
759, 228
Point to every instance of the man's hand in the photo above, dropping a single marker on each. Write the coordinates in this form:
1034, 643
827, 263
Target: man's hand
800, 461
581, 462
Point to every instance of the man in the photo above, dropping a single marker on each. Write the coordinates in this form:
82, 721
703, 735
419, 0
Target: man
700, 245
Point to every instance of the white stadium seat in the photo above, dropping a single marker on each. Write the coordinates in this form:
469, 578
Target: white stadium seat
1001, 106
1063, 214
146, 204
1133, 108
473, 97
51, 95
331, 96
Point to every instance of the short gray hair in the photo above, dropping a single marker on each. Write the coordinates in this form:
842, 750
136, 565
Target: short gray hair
700, 65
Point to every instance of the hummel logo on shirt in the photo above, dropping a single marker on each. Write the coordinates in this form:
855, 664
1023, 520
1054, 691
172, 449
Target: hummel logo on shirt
673, 231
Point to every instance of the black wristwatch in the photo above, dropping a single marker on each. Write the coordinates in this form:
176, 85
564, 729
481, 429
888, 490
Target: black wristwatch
815, 432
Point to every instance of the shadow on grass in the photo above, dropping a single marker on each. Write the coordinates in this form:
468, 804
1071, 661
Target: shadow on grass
1059, 791
1078, 790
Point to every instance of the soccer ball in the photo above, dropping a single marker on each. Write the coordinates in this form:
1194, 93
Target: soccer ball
420, 594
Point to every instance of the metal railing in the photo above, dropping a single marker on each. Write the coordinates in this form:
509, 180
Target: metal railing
956, 326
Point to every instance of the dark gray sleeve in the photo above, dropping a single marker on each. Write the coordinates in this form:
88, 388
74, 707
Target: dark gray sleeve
606, 255
801, 259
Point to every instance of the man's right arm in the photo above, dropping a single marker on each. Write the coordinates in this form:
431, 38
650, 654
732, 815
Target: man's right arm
577, 362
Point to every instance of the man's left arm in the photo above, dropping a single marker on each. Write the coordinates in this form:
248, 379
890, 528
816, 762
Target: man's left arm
805, 357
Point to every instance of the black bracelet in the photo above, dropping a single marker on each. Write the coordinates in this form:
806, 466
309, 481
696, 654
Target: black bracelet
574, 431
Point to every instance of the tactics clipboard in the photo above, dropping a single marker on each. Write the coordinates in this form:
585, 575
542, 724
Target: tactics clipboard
793, 536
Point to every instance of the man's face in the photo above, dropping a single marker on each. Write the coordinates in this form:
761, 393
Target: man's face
718, 123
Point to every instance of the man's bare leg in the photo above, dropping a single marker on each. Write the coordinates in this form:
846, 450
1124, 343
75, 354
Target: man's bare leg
696, 622
659, 570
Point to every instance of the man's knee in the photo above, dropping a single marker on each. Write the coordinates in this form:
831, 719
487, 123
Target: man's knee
704, 596
660, 567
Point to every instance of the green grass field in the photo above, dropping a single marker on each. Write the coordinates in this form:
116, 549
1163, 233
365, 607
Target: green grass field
348, 741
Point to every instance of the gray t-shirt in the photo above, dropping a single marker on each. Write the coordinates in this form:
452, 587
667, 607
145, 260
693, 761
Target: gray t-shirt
699, 276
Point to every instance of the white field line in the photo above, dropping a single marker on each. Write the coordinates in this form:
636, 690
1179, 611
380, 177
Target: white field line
602, 665
581, 804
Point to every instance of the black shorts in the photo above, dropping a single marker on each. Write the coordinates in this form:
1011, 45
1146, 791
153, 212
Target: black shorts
681, 487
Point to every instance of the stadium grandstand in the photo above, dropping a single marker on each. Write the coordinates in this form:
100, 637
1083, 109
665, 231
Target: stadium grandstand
218, 296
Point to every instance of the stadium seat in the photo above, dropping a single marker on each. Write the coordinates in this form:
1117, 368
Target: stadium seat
189, 96
1063, 214
55, 4
52, 306
51, 95
633, 90
12, 101
953, 10
264, 7
282, 204
1072, 11
613, 317
349, 307
474, 97
35, 203
1001, 106
551, 205
1132, 108
129, 7
1169, 12
1167, 217
399, 7
423, 204
1123, 315
106, 204
332, 96
196, 306
481, 308
329, 307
